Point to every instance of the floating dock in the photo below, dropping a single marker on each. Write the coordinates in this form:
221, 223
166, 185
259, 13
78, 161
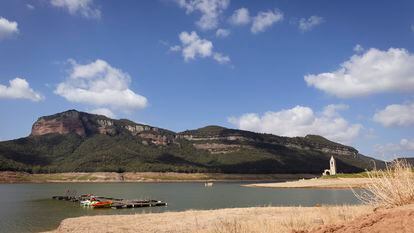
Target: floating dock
114, 203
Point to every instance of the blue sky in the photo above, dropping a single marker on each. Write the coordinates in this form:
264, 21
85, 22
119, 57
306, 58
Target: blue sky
286, 67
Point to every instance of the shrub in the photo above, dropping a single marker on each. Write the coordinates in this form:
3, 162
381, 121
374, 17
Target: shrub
393, 186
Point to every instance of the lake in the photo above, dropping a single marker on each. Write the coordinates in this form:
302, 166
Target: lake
30, 208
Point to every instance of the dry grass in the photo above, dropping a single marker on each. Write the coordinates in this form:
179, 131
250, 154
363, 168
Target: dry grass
391, 187
296, 219
237, 220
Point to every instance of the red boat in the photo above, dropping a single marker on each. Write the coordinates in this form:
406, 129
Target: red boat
102, 204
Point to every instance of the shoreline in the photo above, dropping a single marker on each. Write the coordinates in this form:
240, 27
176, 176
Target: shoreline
324, 219
10, 177
260, 219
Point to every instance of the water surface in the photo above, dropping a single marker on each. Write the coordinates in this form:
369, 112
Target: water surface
29, 207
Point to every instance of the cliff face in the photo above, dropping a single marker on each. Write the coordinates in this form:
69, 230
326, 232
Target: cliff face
218, 139
85, 124
43, 126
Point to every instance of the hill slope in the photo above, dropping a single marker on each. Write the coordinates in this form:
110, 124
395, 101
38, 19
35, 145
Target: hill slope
78, 141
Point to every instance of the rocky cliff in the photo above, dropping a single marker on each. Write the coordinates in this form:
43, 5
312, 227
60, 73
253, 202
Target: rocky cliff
85, 124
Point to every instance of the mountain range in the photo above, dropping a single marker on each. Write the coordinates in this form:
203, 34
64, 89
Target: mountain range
74, 141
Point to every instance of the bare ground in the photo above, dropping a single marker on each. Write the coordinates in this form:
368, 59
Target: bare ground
237, 220
396, 220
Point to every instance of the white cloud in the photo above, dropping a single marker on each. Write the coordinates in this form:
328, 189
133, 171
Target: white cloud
403, 147
101, 85
358, 48
19, 88
85, 8
412, 27
220, 58
30, 6
193, 46
264, 20
373, 72
7, 28
310, 23
104, 111
396, 115
240, 17
222, 33
175, 48
300, 121
210, 11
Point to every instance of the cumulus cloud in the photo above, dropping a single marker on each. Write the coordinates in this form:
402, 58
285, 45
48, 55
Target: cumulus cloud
222, 33
372, 72
7, 28
240, 17
193, 46
396, 115
19, 88
310, 23
264, 20
85, 8
104, 111
300, 121
210, 11
404, 146
101, 85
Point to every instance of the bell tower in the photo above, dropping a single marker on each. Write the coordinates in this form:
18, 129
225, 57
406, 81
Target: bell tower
332, 166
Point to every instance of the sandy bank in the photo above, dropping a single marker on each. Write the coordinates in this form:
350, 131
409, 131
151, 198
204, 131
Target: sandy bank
257, 219
396, 220
22, 177
317, 183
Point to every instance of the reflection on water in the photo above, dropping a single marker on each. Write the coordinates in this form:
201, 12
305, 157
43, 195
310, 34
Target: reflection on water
29, 207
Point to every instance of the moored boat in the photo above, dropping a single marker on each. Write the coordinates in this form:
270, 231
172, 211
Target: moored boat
102, 204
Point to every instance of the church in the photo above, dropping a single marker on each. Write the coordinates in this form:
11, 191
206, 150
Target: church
332, 168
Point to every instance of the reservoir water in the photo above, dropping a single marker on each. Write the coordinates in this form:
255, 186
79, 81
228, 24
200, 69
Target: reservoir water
30, 208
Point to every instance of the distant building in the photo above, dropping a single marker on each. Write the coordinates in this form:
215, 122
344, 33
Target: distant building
332, 168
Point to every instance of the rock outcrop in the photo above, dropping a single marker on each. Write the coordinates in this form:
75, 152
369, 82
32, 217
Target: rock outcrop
85, 124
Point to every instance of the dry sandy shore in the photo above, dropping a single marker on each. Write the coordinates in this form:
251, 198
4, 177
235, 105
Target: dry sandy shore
317, 183
254, 220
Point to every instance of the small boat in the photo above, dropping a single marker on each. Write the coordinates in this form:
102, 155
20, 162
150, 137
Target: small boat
102, 204
208, 184
86, 203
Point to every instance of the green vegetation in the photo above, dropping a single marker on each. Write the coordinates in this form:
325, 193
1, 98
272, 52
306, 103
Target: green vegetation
347, 175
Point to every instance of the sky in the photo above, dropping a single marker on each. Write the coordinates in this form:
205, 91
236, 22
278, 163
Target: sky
340, 69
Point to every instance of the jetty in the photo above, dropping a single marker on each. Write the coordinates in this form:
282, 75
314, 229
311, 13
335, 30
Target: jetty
94, 201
